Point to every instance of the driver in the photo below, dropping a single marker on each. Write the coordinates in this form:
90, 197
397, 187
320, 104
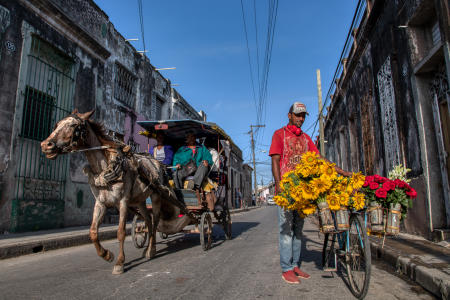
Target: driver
191, 159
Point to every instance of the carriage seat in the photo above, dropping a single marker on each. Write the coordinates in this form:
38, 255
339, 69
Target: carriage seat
208, 185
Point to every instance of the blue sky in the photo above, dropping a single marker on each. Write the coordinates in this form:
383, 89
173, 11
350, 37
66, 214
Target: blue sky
205, 41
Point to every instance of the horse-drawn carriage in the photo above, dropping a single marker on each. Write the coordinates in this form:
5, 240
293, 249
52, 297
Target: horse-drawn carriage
195, 207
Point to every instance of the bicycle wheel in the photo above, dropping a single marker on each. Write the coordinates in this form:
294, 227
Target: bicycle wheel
329, 252
358, 260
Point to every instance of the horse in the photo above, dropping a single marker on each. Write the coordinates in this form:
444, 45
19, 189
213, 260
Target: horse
117, 177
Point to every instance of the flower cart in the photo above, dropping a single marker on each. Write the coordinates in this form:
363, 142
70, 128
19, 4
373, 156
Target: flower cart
315, 184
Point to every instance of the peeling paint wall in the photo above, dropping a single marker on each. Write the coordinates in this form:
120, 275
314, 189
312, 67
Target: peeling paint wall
381, 113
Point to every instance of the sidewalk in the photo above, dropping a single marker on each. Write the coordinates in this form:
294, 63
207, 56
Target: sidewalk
422, 261
17, 244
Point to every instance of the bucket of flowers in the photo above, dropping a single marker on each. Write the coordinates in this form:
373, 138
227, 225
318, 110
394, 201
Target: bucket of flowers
315, 184
389, 200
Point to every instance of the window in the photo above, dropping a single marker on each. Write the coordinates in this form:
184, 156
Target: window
124, 86
388, 115
158, 108
37, 114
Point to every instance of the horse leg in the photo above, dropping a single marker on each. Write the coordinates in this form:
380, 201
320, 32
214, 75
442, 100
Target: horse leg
156, 204
121, 232
148, 221
99, 212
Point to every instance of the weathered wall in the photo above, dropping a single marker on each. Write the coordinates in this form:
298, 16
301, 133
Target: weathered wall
9, 68
364, 132
80, 31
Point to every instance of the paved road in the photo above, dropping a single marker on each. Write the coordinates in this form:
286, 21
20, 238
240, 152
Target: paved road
246, 267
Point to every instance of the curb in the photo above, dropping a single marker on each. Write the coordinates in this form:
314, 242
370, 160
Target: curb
239, 210
47, 244
70, 240
431, 279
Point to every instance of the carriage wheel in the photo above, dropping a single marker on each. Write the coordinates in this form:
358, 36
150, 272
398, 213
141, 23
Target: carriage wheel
163, 235
139, 231
226, 224
205, 231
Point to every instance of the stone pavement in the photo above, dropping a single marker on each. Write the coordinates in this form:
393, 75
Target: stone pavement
17, 244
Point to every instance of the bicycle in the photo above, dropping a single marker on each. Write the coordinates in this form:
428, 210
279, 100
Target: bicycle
352, 250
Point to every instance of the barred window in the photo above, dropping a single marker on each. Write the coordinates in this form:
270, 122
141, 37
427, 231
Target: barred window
37, 111
124, 86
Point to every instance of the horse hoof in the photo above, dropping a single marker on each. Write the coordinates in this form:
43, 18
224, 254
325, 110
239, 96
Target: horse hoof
117, 270
152, 254
109, 257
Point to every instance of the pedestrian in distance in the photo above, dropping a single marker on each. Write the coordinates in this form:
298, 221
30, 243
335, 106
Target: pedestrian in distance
288, 145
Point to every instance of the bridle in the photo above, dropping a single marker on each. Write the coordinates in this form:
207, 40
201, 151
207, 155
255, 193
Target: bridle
79, 133
78, 137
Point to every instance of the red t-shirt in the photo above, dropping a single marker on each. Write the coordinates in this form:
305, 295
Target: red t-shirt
290, 147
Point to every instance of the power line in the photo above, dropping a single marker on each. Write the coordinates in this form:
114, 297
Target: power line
256, 40
260, 97
356, 17
271, 23
248, 52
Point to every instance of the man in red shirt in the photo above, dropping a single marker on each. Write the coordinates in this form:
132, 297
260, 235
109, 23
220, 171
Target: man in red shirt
288, 145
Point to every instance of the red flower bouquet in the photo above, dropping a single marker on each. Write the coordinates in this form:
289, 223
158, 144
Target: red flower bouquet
386, 192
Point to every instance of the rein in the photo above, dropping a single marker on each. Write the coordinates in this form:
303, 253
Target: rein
91, 149
80, 134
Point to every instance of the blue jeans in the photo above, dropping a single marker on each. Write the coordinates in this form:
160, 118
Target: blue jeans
290, 225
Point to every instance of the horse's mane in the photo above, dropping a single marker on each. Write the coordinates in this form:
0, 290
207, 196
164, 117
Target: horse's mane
105, 139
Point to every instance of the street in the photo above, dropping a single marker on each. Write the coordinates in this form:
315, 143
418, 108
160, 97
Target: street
247, 267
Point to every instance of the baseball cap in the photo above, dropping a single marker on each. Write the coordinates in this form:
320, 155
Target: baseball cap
298, 108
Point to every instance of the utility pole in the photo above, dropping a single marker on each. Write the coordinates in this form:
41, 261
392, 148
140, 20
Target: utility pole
319, 94
253, 152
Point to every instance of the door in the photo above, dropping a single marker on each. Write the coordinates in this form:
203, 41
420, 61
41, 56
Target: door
440, 103
46, 96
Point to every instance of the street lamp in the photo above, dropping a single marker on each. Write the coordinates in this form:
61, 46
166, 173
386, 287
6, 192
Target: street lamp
161, 69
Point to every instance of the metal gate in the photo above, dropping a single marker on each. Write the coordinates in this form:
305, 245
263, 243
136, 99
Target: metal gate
47, 96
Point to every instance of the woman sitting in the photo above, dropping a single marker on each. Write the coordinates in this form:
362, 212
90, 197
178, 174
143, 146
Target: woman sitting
162, 153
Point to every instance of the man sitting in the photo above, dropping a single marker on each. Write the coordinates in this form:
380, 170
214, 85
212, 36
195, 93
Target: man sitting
191, 159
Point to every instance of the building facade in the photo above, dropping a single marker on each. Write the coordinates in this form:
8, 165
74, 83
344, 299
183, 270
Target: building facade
390, 103
57, 55
247, 184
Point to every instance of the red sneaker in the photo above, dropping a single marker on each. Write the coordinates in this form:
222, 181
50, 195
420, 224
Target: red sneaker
290, 277
300, 273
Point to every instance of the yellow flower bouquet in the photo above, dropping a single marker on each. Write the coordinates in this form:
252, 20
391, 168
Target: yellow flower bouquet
315, 181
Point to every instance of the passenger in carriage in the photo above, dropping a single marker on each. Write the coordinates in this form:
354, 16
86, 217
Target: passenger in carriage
192, 159
162, 153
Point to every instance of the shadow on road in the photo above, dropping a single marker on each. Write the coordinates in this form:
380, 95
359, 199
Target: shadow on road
237, 229
316, 257
312, 255
180, 241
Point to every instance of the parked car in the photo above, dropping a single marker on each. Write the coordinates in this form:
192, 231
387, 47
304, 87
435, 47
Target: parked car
270, 200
